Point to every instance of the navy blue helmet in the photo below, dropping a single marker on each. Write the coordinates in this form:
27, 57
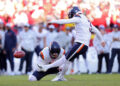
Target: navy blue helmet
73, 11
54, 49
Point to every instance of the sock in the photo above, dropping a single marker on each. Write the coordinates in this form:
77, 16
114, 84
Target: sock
57, 63
86, 64
72, 67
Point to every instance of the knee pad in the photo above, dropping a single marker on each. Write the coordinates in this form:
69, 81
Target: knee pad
32, 78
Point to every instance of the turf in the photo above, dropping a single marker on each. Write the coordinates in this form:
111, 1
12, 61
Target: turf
73, 80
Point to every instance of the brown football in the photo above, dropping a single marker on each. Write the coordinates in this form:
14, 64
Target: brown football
19, 54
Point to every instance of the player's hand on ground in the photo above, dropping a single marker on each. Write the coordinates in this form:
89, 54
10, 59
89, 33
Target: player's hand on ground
38, 67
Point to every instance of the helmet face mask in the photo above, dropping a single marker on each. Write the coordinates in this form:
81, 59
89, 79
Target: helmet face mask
70, 15
54, 50
54, 55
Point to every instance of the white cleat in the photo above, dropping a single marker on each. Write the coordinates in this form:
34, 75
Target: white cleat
57, 78
42, 68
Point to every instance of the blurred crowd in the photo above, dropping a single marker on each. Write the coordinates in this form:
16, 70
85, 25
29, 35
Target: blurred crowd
18, 12
24, 26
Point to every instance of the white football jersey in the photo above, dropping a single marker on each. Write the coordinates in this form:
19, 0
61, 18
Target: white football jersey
45, 57
27, 40
83, 28
98, 45
115, 44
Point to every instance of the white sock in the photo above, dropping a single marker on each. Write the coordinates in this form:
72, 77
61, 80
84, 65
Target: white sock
78, 64
57, 63
86, 64
73, 65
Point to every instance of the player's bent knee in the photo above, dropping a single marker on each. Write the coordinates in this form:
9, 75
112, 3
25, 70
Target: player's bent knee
32, 78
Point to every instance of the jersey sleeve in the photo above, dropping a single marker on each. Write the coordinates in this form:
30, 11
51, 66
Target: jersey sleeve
67, 21
41, 61
97, 32
64, 52
42, 55
96, 44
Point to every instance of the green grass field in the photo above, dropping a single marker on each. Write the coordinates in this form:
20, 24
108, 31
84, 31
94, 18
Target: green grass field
73, 80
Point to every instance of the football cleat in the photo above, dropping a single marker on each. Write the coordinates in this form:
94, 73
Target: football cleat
58, 78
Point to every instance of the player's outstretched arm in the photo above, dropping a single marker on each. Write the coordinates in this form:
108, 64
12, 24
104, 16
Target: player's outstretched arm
97, 32
66, 21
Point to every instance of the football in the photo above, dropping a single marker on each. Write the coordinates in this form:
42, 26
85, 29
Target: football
19, 54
